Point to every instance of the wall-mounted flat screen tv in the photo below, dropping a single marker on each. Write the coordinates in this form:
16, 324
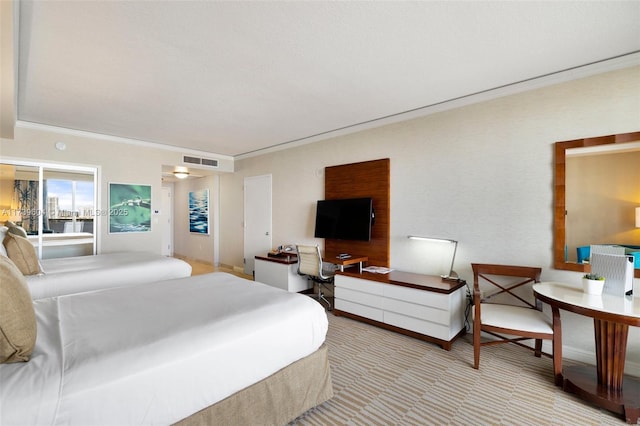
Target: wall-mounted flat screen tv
345, 219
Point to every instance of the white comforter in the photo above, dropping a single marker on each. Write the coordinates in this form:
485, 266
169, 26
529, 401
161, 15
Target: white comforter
86, 273
154, 354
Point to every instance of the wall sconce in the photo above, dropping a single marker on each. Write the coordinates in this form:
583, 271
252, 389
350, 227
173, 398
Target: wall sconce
637, 217
452, 273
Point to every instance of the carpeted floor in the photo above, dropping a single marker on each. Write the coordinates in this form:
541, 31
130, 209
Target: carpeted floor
385, 378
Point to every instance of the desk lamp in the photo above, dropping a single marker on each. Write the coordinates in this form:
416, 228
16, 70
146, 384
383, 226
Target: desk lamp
451, 274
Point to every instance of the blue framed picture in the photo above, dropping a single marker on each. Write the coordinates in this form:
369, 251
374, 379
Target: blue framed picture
199, 211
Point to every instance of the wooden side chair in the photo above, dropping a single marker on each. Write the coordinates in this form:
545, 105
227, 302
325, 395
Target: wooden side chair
504, 305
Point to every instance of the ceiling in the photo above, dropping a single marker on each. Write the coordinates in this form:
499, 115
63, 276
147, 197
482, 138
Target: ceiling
232, 78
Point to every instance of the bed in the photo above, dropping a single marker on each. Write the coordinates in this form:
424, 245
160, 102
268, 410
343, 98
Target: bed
214, 349
69, 275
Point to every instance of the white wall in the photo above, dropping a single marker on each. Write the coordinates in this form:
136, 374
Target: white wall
194, 246
119, 163
7, 69
481, 174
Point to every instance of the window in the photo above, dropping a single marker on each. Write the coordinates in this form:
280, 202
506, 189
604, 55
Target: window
55, 204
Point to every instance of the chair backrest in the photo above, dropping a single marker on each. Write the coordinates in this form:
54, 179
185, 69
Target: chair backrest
310, 261
505, 284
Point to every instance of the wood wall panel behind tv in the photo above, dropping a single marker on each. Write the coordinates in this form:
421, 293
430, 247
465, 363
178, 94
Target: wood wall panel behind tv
366, 179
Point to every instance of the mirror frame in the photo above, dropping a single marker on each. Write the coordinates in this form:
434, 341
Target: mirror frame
559, 210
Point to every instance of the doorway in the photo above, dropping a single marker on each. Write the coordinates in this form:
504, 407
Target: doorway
166, 219
257, 219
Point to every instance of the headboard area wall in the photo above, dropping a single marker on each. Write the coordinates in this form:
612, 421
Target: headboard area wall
366, 179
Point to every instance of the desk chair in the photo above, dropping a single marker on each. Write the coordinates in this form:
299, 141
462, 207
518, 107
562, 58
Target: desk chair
513, 310
310, 265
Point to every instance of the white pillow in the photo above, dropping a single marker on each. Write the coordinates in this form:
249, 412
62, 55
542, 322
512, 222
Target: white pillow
3, 233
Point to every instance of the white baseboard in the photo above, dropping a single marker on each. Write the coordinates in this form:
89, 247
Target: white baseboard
630, 367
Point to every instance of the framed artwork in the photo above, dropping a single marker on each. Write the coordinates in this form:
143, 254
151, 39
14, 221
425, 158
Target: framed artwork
129, 208
199, 211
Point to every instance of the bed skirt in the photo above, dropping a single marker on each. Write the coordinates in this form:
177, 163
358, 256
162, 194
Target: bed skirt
276, 400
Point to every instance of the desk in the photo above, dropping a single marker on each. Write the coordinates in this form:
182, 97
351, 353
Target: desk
341, 263
606, 385
282, 272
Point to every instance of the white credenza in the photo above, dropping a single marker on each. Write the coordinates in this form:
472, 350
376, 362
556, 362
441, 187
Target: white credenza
281, 272
422, 306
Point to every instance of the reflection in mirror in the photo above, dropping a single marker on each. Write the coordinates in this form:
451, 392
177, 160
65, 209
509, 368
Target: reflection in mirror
597, 191
19, 196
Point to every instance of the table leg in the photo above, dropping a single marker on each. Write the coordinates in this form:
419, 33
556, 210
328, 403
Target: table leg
557, 346
611, 349
607, 386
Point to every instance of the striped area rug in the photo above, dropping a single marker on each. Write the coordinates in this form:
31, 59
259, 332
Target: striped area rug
385, 378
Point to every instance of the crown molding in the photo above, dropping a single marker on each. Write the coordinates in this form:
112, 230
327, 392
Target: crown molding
117, 139
575, 73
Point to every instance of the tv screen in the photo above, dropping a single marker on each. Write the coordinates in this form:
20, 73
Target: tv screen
346, 219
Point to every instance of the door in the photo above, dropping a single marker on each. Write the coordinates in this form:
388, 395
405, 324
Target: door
257, 219
166, 219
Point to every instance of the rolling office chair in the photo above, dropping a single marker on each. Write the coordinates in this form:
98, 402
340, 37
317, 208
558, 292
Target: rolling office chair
310, 265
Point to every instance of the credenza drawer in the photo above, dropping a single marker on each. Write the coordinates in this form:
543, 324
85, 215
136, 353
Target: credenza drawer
358, 309
421, 306
427, 298
365, 286
428, 328
359, 297
434, 315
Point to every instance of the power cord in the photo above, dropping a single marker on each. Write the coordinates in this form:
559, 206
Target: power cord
467, 309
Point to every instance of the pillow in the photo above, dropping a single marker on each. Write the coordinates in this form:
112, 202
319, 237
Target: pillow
17, 316
22, 253
15, 229
3, 233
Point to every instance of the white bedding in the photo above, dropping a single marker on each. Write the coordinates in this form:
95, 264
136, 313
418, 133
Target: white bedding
134, 356
86, 273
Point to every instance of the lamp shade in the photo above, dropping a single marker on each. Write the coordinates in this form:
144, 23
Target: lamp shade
637, 217
450, 273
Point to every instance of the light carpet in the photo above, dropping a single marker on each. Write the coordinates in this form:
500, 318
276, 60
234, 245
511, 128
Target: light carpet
385, 378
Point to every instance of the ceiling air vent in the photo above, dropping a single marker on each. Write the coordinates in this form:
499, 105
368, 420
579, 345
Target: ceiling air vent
209, 162
191, 160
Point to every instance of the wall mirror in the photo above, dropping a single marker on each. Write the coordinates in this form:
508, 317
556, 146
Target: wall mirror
597, 193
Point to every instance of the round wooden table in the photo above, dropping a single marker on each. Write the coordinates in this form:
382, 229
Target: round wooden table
606, 385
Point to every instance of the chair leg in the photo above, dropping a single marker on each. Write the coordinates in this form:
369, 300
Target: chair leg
477, 326
538, 348
476, 345
321, 297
